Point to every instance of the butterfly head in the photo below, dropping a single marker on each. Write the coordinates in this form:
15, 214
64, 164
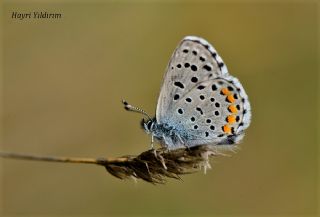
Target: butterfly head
148, 125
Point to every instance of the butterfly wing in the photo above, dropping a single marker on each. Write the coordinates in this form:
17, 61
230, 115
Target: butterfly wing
193, 61
200, 99
216, 111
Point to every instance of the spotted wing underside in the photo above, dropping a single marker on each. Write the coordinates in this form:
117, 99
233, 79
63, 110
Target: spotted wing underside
213, 112
199, 97
193, 61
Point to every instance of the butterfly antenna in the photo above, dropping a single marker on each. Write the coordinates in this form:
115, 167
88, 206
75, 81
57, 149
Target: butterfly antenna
131, 108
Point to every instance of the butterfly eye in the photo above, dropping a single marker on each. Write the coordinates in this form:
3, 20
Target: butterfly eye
149, 124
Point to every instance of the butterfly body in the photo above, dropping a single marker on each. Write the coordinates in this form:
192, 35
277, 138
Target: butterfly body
200, 103
170, 135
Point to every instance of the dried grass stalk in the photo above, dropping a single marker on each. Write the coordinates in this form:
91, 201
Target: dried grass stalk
153, 165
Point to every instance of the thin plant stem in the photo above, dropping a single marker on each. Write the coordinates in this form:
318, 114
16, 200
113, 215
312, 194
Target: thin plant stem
98, 161
154, 165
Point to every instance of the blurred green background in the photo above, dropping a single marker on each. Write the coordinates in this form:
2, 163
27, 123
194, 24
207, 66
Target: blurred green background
63, 81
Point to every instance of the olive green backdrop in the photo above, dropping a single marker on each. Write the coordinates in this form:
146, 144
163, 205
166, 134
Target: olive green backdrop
63, 81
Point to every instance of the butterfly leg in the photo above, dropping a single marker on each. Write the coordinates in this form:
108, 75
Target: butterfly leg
180, 139
158, 155
152, 146
182, 142
166, 142
152, 142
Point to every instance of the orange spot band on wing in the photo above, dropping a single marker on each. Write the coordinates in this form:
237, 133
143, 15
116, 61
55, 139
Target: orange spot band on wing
225, 91
226, 129
231, 119
230, 99
233, 109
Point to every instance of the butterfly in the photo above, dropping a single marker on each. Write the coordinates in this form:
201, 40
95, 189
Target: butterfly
200, 103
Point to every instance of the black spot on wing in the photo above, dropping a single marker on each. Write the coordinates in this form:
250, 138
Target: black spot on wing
194, 79
199, 110
194, 68
178, 84
176, 97
207, 67
200, 87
